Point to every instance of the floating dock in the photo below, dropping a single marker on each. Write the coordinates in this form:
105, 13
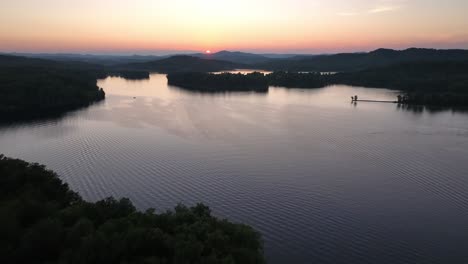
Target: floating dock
376, 101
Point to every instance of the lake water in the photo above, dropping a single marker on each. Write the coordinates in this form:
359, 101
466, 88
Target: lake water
324, 180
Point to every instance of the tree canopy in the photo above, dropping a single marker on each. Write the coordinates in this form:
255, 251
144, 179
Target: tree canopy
209, 82
43, 221
34, 87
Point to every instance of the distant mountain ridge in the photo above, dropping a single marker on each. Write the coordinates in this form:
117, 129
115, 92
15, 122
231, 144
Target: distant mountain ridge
360, 61
233, 56
90, 58
109, 60
184, 63
227, 60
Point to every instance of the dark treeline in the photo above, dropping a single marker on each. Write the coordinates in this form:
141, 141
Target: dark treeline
424, 76
439, 83
33, 88
256, 81
297, 80
443, 78
129, 74
435, 99
361, 61
209, 82
43, 221
28, 91
442, 83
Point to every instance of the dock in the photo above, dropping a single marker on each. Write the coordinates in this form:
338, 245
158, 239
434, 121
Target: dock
376, 101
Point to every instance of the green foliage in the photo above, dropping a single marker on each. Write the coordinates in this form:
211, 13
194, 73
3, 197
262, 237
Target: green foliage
43, 221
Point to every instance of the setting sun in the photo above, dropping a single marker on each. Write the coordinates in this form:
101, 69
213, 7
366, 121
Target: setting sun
208, 51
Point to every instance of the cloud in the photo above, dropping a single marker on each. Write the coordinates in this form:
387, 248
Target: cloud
381, 9
381, 6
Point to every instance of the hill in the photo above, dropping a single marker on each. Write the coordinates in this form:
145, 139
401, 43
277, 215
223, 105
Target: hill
233, 56
360, 61
433, 76
35, 87
436, 83
105, 60
183, 63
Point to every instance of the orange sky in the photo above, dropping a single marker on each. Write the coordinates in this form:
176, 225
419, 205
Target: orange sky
301, 26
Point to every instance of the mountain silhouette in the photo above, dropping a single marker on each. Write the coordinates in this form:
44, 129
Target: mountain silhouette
364, 60
184, 63
234, 56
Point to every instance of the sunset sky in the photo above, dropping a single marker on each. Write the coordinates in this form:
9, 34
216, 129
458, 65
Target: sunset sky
286, 26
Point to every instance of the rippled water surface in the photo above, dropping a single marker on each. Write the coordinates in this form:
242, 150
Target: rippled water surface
324, 180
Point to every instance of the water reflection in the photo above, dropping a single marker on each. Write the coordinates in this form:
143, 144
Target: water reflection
421, 109
340, 182
244, 71
51, 118
225, 116
224, 92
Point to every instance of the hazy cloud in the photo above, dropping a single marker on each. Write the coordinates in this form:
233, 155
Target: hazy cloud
382, 9
380, 6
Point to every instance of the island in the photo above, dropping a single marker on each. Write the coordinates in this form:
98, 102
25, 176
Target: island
298, 79
431, 83
210, 82
129, 74
43, 221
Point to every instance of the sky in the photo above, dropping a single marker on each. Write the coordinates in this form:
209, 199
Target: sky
261, 26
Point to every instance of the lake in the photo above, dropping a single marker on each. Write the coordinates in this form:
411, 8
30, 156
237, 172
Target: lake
323, 180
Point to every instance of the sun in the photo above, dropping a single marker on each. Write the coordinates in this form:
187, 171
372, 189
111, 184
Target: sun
208, 51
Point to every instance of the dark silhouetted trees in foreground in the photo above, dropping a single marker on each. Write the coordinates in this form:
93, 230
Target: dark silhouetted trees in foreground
43, 221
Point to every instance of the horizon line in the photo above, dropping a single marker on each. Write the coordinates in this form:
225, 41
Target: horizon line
163, 53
